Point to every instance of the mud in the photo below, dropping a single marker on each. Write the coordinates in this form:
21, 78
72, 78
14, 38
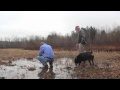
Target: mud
63, 68
32, 69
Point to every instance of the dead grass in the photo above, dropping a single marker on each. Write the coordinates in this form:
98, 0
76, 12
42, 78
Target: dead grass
107, 66
31, 68
2, 63
15, 54
97, 73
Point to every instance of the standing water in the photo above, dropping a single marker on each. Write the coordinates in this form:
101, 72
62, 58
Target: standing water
31, 69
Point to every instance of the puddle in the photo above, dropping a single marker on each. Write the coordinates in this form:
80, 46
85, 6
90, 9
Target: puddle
27, 69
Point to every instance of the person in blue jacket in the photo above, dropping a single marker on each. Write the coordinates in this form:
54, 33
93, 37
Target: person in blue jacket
46, 54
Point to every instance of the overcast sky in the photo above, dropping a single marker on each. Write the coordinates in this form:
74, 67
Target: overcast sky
42, 23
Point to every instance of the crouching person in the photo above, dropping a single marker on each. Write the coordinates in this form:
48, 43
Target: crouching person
46, 54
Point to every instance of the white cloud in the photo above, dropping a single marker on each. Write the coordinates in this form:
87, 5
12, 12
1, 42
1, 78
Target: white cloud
23, 23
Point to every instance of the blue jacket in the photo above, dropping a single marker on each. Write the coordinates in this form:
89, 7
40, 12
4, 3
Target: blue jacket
46, 51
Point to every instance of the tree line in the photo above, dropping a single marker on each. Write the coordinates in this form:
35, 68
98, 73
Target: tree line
98, 39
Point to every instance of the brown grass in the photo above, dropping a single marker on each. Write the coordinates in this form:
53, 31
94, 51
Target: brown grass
14, 54
107, 66
31, 68
2, 63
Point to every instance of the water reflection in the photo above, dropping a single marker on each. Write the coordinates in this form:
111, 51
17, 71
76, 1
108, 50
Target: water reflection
46, 74
62, 69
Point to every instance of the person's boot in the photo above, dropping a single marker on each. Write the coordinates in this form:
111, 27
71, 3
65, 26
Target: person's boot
45, 67
51, 64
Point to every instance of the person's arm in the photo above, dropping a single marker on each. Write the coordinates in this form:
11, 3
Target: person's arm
83, 33
83, 39
79, 37
41, 51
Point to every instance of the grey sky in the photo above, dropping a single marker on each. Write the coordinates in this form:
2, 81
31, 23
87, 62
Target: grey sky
42, 23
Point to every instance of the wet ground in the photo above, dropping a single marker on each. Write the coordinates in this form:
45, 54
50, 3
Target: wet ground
63, 68
32, 69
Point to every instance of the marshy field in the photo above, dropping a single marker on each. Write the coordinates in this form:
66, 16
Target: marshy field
22, 64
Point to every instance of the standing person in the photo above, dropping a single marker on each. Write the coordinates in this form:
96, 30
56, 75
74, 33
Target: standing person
81, 38
46, 54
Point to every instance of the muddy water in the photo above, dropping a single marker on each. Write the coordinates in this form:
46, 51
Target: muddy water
31, 69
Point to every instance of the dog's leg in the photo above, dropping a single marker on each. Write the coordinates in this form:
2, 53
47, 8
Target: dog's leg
79, 63
89, 62
84, 64
76, 64
92, 62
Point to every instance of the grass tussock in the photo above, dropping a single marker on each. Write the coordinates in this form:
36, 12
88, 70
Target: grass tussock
31, 68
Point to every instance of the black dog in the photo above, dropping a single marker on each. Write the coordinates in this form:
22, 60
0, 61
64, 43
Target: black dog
84, 57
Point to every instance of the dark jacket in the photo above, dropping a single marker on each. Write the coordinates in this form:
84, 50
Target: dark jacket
82, 36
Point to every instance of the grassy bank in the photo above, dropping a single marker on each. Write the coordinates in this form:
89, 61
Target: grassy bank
14, 54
